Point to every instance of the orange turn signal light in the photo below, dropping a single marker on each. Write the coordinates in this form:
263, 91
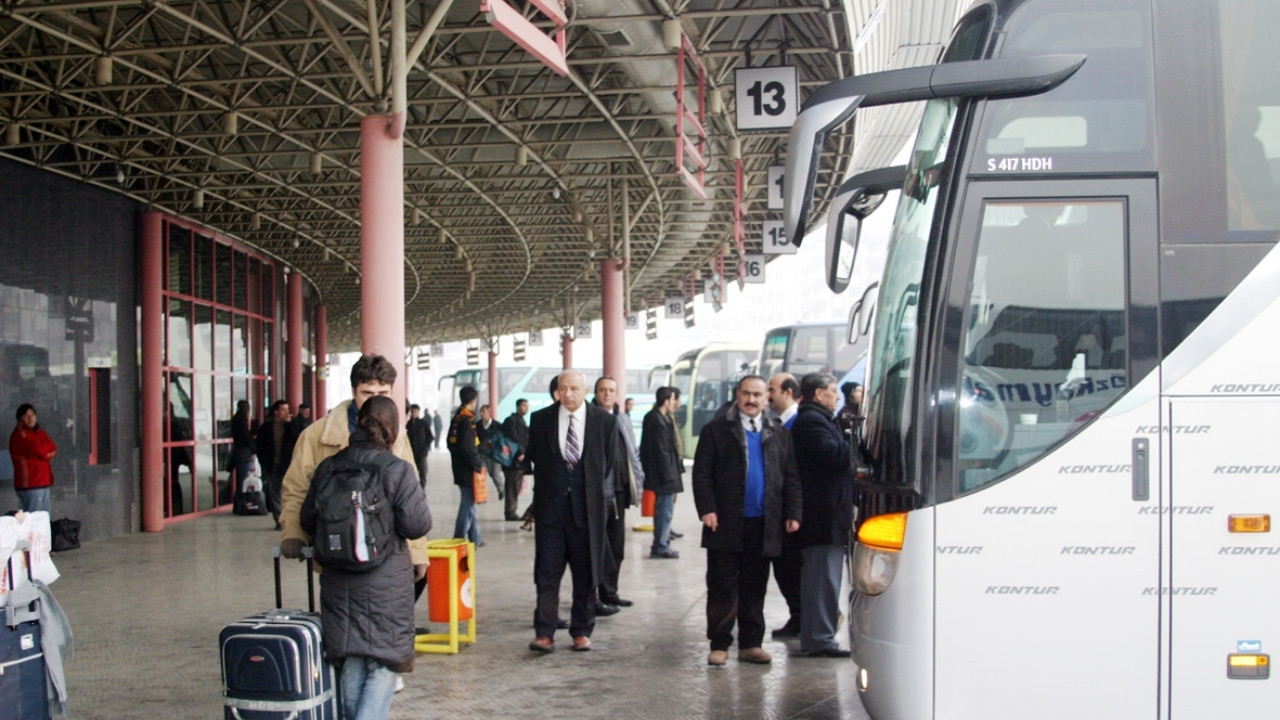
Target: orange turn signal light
884, 531
1249, 523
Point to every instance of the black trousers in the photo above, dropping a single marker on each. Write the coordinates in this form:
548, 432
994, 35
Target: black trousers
514, 477
786, 572
615, 531
736, 586
421, 461
272, 489
559, 545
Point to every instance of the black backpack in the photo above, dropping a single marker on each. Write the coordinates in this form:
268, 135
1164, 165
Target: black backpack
350, 497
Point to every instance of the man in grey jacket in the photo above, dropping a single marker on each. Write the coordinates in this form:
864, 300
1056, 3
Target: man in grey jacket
629, 476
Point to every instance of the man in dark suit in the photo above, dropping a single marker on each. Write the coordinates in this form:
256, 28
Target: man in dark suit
573, 447
747, 490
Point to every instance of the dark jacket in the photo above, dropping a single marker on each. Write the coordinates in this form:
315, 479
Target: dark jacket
271, 458
826, 473
488, 435
720, 481
659, 457
463, 451
420, 435
517, 431
370, 614
292, 432
242, 449
600, 443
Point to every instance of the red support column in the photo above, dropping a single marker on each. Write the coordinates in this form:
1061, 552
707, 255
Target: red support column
566, 349
293, 343
152, 427
615, 324
322, 362
382, 244
493, 385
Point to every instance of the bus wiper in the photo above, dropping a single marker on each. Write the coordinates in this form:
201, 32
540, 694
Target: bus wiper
833, 104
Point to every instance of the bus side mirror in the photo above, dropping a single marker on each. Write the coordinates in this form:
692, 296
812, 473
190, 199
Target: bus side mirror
857, 198
862, 314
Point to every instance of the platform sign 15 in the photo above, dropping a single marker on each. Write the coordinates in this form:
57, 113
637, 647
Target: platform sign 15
767, 97
775, 239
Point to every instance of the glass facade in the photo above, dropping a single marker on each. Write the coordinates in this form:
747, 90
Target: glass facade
221, 345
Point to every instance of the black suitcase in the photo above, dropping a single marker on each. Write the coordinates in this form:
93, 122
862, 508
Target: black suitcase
23, 691
273, 664
250, 503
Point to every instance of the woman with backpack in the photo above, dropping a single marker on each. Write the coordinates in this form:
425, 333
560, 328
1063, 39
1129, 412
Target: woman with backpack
366, 589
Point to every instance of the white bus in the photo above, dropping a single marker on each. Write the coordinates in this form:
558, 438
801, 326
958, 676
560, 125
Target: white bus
1069, 464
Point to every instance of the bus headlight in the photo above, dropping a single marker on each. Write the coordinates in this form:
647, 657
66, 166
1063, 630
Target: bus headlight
873, 569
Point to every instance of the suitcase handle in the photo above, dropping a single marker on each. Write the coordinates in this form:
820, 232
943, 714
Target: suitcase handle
311, 590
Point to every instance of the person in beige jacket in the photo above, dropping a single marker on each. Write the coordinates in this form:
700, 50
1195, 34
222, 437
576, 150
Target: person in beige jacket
372, 375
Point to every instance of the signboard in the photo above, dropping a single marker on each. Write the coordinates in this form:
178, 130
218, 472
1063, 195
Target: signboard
582, 331
753, 269
767, 97
673, 308
633, 321
437, 349
775, 239
535, 338
774, 188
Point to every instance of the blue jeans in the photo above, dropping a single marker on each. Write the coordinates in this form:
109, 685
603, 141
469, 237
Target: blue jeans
33, 500
664, 507
467, 526
367, 687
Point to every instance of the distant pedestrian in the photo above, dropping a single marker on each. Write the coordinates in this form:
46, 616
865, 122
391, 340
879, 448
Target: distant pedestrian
826, 471
270, 445
663, 467
850, 416
420, 436
489, 434
464, 456
301, 421
438, 426
31, 449
516, 430
784, 397
747, 492
242, 447
628, 473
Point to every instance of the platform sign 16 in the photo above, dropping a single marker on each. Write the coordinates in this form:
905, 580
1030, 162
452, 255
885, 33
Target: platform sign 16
753, 269
774, 193
673, 308
775, 239
767, 97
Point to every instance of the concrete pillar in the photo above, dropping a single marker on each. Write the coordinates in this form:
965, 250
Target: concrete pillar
615, 324
382, 244
566, 349
493, 385
322, 362
153, 383
293, 342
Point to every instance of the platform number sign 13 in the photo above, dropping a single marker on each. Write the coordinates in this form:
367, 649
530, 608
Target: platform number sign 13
673, 308
767, 97
774, 193
775, 239
753, 269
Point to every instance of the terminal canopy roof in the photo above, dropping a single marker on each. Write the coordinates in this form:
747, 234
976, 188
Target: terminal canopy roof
243, 115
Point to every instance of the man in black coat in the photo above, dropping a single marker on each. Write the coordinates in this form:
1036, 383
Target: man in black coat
573, 447
517, 431
663, 467
747, 491
420, 436
269, 445
464, 457
826, 472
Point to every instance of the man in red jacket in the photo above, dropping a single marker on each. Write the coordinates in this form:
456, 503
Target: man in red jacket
31, 449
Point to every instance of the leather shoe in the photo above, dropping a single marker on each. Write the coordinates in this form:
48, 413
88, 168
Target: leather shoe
675, 535
831, 652
619, 601
790, 629
665, 555
716, 658
755, 655
562, 624
605, 609
512, 518
581, 644
543, 645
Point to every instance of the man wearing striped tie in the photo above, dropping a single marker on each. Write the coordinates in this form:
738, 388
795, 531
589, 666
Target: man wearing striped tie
573, 446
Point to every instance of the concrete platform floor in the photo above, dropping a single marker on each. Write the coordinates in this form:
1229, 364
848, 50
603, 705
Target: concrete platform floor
146, 610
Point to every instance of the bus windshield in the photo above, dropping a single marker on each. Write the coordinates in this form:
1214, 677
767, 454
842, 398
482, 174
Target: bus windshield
890, 368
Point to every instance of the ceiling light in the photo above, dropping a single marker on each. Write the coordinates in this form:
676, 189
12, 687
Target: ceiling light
296, 242
119, 175
102, 67
555, 192
198, 199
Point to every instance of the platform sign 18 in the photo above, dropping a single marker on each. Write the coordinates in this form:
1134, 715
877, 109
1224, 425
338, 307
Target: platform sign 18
774, 193
673, 308
753, 269
767, 97
775, 239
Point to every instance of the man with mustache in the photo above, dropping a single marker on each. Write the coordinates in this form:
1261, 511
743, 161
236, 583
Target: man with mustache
747, 491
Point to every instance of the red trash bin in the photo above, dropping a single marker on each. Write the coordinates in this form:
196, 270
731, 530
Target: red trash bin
438, 582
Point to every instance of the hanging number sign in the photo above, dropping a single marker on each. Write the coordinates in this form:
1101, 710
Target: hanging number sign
767, 97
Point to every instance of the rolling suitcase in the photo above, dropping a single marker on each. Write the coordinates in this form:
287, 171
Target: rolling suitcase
23, 691
273, 664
